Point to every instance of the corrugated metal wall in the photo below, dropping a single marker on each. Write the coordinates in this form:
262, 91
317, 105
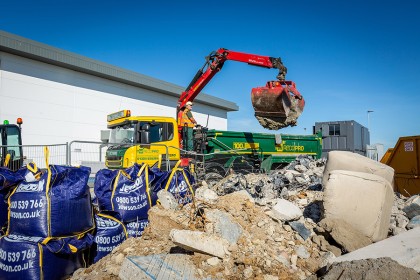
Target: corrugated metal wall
353, 137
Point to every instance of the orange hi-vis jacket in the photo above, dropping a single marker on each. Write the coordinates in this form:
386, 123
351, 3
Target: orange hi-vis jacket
187, 119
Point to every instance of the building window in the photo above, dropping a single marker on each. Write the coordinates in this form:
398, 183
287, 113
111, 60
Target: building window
334, 129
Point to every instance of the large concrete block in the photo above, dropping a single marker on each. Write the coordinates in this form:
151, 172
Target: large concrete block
342, 160
364, 201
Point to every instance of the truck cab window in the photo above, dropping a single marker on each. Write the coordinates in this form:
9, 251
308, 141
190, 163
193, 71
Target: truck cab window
159, 131
122, 134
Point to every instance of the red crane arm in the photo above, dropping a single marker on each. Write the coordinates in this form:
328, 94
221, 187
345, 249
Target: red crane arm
214, 62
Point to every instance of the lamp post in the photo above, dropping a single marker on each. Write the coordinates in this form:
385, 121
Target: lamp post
368, 148
368, 112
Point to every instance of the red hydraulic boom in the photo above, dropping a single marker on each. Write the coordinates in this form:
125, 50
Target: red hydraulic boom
276, 105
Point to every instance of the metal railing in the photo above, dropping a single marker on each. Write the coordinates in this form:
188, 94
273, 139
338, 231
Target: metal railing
34, 153
75, 153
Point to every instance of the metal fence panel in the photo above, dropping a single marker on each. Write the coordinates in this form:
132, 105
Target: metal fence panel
35, 153
75, 153
87, 153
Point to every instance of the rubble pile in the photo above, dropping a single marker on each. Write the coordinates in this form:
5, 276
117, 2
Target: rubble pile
254, 226
301, 174
405, 214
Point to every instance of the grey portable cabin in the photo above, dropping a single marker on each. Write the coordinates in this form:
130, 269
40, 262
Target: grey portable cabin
343, 136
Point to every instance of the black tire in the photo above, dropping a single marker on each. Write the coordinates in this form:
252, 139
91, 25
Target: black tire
212, 178
214, 167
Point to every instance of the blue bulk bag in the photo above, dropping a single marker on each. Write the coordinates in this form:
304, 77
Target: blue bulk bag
178, 182
9, 178
156, 178
124, 191
54, 204
136, 228
23, 257
3, 209
110, 232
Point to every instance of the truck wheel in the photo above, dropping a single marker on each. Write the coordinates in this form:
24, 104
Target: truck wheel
212, 178
214, 167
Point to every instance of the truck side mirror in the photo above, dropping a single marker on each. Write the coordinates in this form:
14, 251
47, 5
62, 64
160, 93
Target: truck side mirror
145, 134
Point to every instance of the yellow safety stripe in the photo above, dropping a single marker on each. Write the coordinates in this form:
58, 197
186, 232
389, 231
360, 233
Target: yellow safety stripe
73, 249
145, 168
115, 220
40, 261
6, 160
32, 167
8, 212
188, 182
177, 164
160, 161
114, 188
47, 189
120, 172
172, 174
46, 240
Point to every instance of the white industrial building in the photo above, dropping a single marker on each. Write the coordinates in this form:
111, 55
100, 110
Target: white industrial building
62, 96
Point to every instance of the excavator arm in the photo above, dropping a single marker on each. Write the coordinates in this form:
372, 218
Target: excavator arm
276, 105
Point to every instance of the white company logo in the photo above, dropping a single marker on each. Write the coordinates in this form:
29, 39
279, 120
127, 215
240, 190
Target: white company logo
106, 223
20, 238
182, 187
31, 187
128, 188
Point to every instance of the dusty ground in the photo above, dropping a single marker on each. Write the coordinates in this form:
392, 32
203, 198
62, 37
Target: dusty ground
370, 269
267, 248
259, 253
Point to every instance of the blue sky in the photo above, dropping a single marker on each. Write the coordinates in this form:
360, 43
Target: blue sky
346, 57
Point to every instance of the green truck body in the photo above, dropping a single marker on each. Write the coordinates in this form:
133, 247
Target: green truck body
263, 151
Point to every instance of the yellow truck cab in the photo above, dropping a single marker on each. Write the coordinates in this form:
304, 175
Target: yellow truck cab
141, 139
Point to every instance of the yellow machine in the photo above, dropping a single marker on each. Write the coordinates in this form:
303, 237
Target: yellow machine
148, 139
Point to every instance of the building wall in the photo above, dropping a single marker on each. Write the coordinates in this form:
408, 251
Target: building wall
60, 105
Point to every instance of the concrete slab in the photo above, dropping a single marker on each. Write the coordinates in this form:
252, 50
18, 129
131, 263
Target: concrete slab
202, 242
158, 267
404, 248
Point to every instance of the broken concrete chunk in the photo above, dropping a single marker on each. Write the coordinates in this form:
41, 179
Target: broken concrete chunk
213, 261
301, 252
283, 259
198, 241
241, 195
414, 222
284, 210
301, 229
326, 258
207, 195
301, 168
413, 209
167, 200
345, 235
248, 272
224, 225
401, 221
302, 180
